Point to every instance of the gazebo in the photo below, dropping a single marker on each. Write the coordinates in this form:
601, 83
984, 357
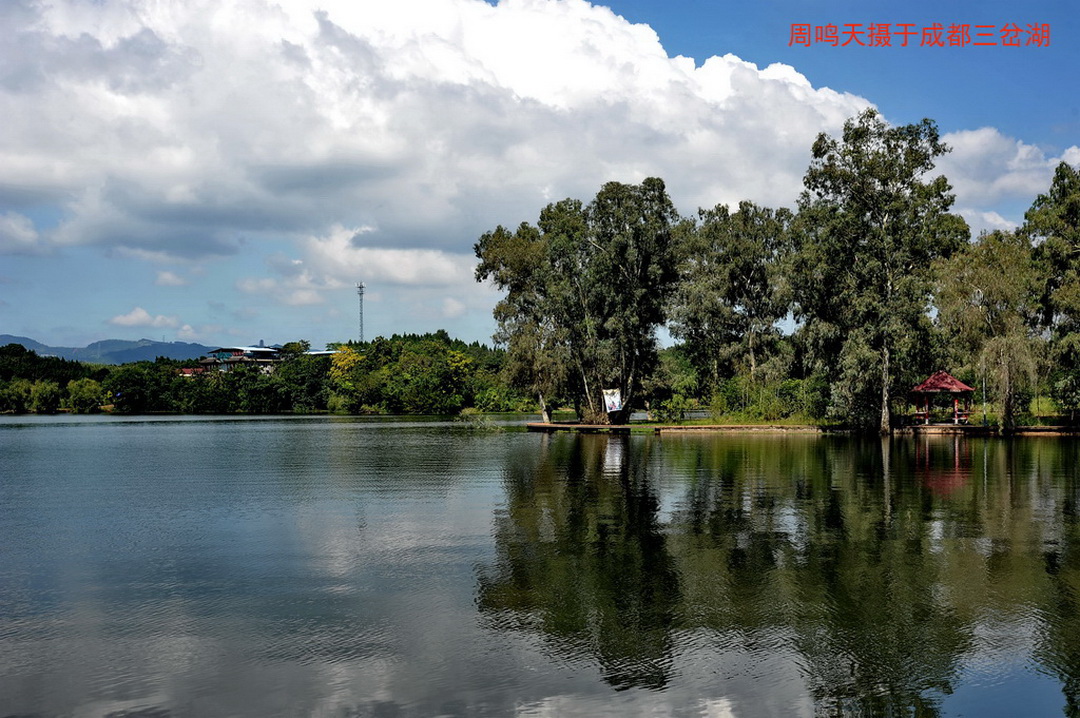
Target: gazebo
942, 383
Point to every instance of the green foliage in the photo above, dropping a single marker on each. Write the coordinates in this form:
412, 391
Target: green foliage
1053, 223
868, 230
672, 410
418, 374
743, 399
84, 396
16, 361
305, 381
586, 289
475, 420
45, 397
145, 387
15, 395
731, 290
987, 300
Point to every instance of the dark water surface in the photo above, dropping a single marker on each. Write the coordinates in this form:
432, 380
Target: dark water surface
349, 567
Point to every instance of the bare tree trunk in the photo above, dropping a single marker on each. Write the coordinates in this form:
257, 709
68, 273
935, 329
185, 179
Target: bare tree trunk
753, 359
545, 410
886, 423
588, 393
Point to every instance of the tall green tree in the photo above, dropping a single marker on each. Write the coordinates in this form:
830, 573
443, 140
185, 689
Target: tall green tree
988, 306
731, 287
536, 341
1053, 223
871, 222
586, 291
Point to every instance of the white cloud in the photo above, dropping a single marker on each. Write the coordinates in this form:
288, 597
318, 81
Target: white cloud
203, 332
337, 257
986, 167
139, 317
453, 308
980, 222
178, 129
297, 288
17, 234
377, 140
170, 279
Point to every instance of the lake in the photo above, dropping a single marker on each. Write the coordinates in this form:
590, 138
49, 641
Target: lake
325, 566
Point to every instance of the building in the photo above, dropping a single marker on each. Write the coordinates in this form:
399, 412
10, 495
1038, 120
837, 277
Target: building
228, 358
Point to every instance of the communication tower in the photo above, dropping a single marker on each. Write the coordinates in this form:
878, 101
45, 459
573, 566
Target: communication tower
360, 294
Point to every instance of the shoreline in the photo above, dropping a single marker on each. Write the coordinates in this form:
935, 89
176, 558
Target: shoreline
920, 429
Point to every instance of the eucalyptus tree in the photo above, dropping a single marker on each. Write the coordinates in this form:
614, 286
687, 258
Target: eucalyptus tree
586, 291
987, 299
731, 287
536, 341
1053, 222
871, 222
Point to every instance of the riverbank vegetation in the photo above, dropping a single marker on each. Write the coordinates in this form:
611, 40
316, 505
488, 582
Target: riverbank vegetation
831, 312
826, 313
405, 374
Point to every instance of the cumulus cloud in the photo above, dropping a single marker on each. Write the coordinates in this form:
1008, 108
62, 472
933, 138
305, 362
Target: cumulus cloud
376, 141
186, 129
986, 166
139, 317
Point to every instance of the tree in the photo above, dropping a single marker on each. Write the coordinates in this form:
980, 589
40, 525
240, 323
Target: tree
987, 301
586, 292
537, 358
1053, 223
304, 376
15, 396
730, 294
145, 386
45, 397
868, 230
84, 395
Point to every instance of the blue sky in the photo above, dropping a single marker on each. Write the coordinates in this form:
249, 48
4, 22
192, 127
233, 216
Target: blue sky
1026, 93
225, 172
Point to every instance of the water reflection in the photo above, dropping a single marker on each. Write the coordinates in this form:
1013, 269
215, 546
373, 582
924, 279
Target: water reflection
337, 567
583, 560
890, 573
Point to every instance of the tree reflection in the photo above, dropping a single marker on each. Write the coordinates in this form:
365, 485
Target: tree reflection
582, 559
1059, 645
811, 546
877, 568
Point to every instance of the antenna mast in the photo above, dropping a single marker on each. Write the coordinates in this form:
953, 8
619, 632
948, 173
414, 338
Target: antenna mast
360, 294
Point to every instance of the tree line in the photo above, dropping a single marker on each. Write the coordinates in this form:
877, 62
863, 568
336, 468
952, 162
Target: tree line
423, 374
879, 281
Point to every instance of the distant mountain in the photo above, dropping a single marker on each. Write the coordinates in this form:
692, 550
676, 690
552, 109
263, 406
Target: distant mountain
114, 351
27, 342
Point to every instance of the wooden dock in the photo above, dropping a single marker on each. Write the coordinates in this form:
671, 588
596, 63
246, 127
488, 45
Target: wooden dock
673, 428
579, 428
963, 429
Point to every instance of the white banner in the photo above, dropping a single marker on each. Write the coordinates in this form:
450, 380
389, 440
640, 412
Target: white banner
612, 400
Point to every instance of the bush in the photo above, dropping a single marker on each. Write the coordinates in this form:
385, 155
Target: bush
673, 409
84, 396
45, 397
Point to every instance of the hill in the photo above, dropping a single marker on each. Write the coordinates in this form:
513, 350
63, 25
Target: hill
113, 351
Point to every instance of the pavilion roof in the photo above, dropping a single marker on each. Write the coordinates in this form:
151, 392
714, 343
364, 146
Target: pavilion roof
942, 382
